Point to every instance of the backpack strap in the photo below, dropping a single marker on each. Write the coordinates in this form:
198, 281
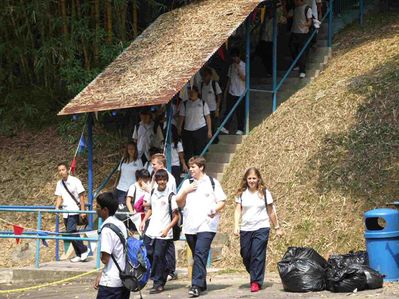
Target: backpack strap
134, 195
119, 233
214, 88
212, 182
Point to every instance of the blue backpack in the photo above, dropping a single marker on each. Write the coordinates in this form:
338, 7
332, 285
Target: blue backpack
138, 268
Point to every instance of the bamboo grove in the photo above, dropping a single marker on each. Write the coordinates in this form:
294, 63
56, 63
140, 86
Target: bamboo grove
51, 49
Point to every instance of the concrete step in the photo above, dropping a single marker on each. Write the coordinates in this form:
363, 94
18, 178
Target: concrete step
230, 139
215, 167
216, 175
218, 157
222, 148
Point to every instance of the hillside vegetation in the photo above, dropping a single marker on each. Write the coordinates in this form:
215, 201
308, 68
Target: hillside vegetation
331, 152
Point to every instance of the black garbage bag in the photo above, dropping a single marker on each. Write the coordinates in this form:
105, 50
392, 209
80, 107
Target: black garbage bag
353, 277
344, 260
302, 270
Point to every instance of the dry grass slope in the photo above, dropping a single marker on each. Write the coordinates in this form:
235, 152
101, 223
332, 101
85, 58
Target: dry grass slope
330, 152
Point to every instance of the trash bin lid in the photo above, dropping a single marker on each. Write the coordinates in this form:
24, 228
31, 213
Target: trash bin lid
381, 223
381, 213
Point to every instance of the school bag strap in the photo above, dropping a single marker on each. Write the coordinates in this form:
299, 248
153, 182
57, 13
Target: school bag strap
119, 233
70, 194
211, 179
170, 205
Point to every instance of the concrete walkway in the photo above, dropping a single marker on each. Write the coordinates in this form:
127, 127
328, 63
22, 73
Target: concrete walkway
232, 285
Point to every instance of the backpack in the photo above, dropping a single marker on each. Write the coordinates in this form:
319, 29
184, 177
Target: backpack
264, 194
178, 225
210, 178
203, 107
122, 208
138, 268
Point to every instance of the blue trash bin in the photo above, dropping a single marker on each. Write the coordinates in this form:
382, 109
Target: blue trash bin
382, 241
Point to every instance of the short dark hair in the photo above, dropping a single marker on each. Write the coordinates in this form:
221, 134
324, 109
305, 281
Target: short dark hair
208, 70
161, 174
195, 88
142, 174
107, 200
62, 164
235, 52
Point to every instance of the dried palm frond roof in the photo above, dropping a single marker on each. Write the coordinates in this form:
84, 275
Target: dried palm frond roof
164, 57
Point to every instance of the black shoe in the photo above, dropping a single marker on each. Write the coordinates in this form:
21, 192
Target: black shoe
157, 290
194, 292
172, 276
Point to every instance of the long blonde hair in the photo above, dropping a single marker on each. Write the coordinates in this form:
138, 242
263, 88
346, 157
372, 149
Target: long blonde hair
244, 184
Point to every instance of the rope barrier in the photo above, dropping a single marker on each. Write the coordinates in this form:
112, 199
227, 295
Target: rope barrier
48, 284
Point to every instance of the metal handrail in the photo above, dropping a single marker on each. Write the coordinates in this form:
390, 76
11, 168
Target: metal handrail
39, 232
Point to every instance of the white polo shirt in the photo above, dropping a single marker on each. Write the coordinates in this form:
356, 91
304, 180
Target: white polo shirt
160, 217
175, 153
208, 94
170, 186
75, 186
194, 113
111, 244
128, 174
135, 188
237, 86
199, 204
146, 138
254, 214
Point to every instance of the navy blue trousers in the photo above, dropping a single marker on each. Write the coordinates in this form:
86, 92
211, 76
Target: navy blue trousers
159, 269
200, 244
253, 252
112, 293
71, 227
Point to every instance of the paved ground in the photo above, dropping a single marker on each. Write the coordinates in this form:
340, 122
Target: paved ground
230, 286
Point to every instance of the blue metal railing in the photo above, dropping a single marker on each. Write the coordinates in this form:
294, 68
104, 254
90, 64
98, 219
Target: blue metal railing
44, 235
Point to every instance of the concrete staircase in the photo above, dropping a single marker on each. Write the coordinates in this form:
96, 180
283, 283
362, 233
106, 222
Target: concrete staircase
219, 155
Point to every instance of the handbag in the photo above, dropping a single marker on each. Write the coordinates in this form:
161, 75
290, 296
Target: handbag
81, 221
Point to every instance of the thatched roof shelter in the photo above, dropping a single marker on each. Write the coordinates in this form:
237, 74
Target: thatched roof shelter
164, 57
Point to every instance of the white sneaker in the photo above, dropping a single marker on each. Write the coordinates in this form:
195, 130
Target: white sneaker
296, 68
224, 130
302, 75
76, 259
84, 255
239, 132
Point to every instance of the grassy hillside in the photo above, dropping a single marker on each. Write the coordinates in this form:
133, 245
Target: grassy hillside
331, 151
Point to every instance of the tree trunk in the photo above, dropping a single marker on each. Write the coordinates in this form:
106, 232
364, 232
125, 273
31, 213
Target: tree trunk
64, 19
97, 26
135, 19
108, 10
84, 46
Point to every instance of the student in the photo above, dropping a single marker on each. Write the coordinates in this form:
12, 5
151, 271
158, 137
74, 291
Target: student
197, 124
158, 162
139, 189
146, 135
71, 196
212, 95
108, 282
148, 164
202, 199
178, 162
301, 17
126, 172
235, 89
255, 212
160, 229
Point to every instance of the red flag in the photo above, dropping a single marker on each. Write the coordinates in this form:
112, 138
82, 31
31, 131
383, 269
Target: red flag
221, 53
73, 166
17, 231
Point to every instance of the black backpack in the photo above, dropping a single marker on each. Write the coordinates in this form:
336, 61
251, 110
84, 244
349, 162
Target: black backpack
213, 87
210, 178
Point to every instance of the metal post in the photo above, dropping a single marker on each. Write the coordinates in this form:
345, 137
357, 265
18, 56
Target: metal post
90, 165
39, 227
274, 57
57, 242
361, 12
98, 259
168, 147
247, 73
330, 22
